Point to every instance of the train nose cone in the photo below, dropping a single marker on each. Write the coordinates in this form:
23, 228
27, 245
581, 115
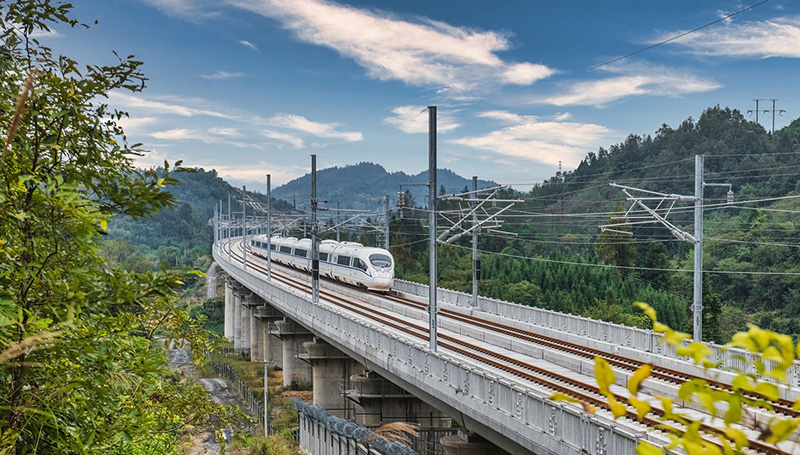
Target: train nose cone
382, 280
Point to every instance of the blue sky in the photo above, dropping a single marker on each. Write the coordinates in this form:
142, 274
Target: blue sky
251, 87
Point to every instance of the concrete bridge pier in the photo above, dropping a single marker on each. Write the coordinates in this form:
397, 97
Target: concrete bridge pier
292, 336
246, 317
237, 321
383, 402
271, 346
468, 443
230, 312
331, 368
254, 302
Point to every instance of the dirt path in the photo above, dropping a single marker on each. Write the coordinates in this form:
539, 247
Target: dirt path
219, 391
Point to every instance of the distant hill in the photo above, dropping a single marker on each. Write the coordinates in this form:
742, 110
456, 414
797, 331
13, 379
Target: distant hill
363, 185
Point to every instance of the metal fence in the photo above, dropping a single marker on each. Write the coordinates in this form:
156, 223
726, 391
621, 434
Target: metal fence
253, 406
325, 434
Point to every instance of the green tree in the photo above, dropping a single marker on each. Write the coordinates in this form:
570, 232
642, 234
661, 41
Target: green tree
81, 368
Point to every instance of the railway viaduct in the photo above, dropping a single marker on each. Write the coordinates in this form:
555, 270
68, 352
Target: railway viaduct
369, 361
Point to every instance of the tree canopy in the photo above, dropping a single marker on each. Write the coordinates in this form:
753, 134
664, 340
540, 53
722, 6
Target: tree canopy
82, 367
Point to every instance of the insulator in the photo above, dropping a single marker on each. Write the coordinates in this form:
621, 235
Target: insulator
730, 196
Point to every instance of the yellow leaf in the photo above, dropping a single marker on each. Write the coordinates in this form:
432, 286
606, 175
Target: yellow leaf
772, 353
697, 351
560, 396
675, 338
617, 408
104, 224
638, 376
796, 405
642, 407
708, 402
738, 437
769, 390
646, 448
734, 412
604, 374
648, 310
741, 381
160, 183
782, 429
743, 340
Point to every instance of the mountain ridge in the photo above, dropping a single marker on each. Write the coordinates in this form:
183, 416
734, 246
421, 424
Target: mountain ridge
364, 185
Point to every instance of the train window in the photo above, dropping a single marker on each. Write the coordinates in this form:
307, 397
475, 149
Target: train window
286, 249
300, 252
380, 260
343, 260
360, 264
272, 246
323, 256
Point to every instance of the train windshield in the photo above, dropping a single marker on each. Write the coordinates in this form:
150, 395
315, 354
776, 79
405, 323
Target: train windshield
380, 260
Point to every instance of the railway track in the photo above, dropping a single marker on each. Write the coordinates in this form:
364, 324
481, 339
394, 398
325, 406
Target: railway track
543, 377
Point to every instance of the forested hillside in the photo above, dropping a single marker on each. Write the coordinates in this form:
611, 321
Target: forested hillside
363, 185
183, 235
751, 247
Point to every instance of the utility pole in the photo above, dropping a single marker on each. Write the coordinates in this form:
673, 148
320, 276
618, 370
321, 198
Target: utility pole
388, 218
244, 226
314, 242
653, 216
698, 249
756, 111
432, 302
269, 234
338, 220
476, 265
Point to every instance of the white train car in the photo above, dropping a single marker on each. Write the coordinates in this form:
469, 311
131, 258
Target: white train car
348, 262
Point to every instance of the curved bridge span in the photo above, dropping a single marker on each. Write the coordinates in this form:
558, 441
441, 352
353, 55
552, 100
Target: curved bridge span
495, 368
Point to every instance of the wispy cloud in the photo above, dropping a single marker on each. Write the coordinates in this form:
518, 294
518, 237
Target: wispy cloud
779, 37
422, 52
219, 75
414, 119
294, 141
209, 136
186, 9
545, 141
166, 105
634, 80
325, 130
248, 44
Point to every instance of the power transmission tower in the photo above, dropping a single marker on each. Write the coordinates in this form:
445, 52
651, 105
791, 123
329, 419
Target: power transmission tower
767, 111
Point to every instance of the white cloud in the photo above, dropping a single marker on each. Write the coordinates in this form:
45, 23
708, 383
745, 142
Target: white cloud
167, 105
219, 75
134, 125
186, 9
326, 130
421, 53
637, 80
294, 141
414, 119
534, 139
248, 44
779, 37
209, 136
248, 173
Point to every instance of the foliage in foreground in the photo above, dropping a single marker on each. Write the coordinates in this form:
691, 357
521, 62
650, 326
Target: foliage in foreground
82, 361
775, 355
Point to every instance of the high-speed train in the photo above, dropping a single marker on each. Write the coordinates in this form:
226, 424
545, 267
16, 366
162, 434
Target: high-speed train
348, 262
